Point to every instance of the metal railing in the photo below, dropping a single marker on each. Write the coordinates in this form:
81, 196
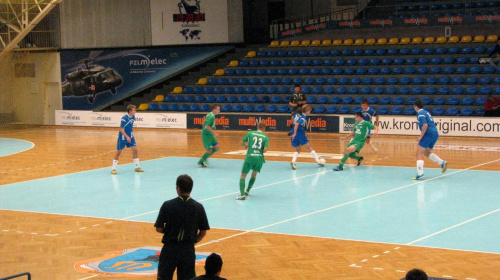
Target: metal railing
17, 275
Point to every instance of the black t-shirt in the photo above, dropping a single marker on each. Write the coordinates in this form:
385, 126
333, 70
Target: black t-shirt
208, 277
296, 98
181, 219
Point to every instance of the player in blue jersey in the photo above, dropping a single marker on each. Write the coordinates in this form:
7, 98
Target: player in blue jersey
126, 139
299, 137
368, 114
426, 140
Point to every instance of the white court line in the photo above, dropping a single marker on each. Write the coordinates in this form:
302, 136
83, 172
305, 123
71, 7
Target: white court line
343, 204
457, 225
233, 193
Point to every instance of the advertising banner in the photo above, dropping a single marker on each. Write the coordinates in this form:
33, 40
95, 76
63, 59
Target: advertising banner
175, 22
112, 119
447, 126
327, 124
91, 79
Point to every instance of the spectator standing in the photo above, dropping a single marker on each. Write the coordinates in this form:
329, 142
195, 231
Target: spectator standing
492, 106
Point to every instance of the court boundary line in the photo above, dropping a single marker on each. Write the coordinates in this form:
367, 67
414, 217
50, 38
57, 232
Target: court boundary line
343, 204
32, 146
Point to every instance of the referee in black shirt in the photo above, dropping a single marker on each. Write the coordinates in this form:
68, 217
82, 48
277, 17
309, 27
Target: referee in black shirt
183, 222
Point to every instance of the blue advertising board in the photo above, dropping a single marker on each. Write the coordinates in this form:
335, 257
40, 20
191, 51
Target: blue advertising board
91, 79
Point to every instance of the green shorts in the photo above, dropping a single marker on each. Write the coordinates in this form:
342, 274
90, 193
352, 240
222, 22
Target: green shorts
359, 145
252, 164
209, 141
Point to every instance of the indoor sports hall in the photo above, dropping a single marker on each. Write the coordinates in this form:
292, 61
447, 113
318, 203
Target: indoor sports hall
69, 71
61, 207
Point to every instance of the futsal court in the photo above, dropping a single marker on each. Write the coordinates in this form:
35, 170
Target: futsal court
60, 205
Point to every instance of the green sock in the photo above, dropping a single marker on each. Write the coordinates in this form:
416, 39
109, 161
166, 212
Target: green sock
242, 186
205, 156
354, 156
250, 184
343, 160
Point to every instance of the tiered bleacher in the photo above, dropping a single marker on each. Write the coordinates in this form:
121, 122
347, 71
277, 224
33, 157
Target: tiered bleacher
391, 73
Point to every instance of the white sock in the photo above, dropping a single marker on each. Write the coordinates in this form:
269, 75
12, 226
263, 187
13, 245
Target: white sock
420, 167
136, 162
436, 159
295, 156
115, 164
315, 156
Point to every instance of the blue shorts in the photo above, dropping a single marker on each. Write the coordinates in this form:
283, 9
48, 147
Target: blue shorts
299, 140
428, 141
121, 144
369, 133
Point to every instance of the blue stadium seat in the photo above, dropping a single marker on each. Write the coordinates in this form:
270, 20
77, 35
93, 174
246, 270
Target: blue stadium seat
382, 81
404, 90
489, 70
331, 109
444, 90
452, 101
319, 110
375, 71
410, 100
466, 111
311, 99
218, 90
205, 108
438, 100
396, 111
457, 80
194, 108
397, 70
431, 80
485, 90
430, 90
353, 90
383, 110
467, 101
426, 100
405, 81
355, 81
485, 80
226, 108
355, 109
344, 110
153, 107
386, 100
417, 90
471, 90
437, 111
409, 111
282, 109
346, 100
253, 99
276, 99
452, 111
398, 100
479, 112
398, 61
378, 90
329, 90
475, 70
372, 100
392, 81
261, 90
471, 80
179, 98
391, 90
253, 81
302, 71
237, 108
365, 90
322, 100
363, 61
271, 108
184, 107
358, 99
220, 99
260, 108
410, 70
334, 100
188, 90
169, 98
457, 90
343, 81
320, 81
331, 81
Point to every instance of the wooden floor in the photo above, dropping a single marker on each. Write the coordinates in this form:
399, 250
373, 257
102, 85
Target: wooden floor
253, 255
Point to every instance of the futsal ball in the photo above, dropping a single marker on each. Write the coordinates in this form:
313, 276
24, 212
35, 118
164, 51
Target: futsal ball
322, 160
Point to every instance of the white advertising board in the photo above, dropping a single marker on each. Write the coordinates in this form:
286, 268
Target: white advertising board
447, 126
112, 119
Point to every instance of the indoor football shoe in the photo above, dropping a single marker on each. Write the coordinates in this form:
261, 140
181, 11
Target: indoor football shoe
241, 197
338, 168
419, 177
113, 172
292, 164
247, 193
201, 164
138, 169
444, 166
360, 160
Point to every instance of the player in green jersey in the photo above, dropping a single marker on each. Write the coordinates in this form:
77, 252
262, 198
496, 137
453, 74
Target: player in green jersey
256, 143
209, 136
361, 129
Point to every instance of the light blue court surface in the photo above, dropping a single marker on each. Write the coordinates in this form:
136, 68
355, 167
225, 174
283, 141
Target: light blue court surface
10, 146
458, 210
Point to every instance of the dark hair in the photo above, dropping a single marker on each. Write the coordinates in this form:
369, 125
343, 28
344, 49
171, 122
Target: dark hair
213, 264
419, 104
296, 86
364, 101
416, 274
358, 114
185, 183
213, 106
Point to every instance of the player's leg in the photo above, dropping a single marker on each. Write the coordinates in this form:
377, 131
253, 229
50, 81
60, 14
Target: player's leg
244, 171
313, 153
368, 141
350, 149
135, 155
115, 161
295, 156
420, 162
435, 158
251, 182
